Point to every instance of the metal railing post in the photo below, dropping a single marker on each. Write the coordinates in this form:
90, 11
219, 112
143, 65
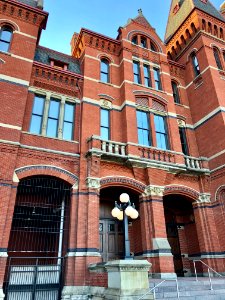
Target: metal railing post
210, 280
196, 276
178, 293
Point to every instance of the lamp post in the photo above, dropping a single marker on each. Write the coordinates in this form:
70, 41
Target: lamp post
122, 211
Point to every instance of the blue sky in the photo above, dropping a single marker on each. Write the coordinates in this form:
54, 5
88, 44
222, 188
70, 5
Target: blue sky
103, 16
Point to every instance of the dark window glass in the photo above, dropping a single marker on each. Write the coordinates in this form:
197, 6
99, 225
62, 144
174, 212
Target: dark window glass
161, 132
183, 140
104, 70
217, 58
152, 46
143, 42
224, 56
136, 69
195, 64
37, 114
157, 79
143, 128
147, 75
53, 118
68, 121
5, 38
105, 124
176, 96
134, 40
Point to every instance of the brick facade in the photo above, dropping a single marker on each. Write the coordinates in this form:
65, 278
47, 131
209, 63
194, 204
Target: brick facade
180, 196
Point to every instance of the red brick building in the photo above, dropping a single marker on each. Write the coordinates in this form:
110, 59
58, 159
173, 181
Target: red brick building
131, 114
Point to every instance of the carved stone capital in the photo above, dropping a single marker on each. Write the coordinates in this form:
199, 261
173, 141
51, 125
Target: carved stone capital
75, 186
204, 198
93, 183
154, 190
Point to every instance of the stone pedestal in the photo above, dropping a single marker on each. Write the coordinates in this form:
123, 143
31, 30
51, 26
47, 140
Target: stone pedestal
2, 295
127, 280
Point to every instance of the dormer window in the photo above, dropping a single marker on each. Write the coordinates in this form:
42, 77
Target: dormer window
59, 65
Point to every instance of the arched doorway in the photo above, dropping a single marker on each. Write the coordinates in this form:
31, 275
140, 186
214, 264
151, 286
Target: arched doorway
181, 232
38, 239
111, 234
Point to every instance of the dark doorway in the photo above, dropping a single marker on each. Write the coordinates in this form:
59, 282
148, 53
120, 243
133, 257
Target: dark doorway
38, 239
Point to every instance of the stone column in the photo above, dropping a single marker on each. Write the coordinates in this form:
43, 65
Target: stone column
61, 117
209, 245
155, 244
45, 114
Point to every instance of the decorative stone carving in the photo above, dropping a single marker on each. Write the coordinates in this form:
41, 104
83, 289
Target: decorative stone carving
106, 104
15, 178
181, 123
204, 198
75, 186
154, 190
93, 183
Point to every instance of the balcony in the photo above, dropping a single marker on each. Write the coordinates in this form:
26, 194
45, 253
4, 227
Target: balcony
145, 156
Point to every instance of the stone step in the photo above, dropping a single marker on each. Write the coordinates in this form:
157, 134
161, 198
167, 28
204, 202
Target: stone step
207, 297
220, 294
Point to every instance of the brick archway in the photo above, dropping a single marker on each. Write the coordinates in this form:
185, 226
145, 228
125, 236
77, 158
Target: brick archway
123, 181
220, 193
49, 170
181, 190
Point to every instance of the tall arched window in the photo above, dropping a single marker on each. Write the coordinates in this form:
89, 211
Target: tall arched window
134, 40
221, 33
217, 58
203, 24
104, 70
176, 95
215, 30
5, 38
195, 64
209, 28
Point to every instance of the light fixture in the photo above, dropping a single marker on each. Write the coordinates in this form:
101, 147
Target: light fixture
124, 198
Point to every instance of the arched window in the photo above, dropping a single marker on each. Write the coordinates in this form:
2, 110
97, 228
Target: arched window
176, 95
215, 31
188, 34
224, 56
169, 56
5, 38
104, 70
193, 28
195, 64
221, 33
143, 42
217, 58
134, 40
183, 40
209, 28
203, 24
178, 45
152, 46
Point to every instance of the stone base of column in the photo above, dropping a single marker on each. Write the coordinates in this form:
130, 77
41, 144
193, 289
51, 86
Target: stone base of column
164, 275
2, 295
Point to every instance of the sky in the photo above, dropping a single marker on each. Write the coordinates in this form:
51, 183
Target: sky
102, 16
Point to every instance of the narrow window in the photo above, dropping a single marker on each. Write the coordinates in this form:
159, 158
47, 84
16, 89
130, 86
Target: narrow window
183, 140
136, 70
53, 118
37, 114
68, 121
195, 64
105, 134
157, 79
104, 70
147, 77
5, 38
161, 132
224, 56
143, 42
152, 46
143, 128
176, 95
134, 40
217, 58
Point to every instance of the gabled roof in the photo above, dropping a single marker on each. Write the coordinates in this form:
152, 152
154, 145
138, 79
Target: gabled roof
176, 18
140, 19
45, 55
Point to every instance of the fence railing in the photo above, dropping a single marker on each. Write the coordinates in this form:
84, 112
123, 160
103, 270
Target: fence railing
209, 274
157, 154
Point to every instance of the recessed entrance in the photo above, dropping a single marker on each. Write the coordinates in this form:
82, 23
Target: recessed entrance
181, 232
111, 234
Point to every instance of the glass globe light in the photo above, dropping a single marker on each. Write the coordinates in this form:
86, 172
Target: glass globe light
120, 216
124, 198
134, 214
129, 210
115, 212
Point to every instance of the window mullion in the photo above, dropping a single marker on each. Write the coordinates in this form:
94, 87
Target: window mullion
45, 114
61, 117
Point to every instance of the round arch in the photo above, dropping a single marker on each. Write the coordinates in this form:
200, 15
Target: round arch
122, 181
181, 190
220, 193
49, 170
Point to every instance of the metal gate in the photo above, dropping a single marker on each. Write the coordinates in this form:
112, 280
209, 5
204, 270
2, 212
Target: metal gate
38, 239
39, 280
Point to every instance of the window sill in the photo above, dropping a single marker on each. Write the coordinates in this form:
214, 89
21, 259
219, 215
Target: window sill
6, 53
44, 136
106, 83
149, 88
